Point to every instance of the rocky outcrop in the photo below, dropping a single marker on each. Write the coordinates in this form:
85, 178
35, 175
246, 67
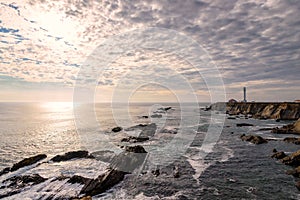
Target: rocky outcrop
103, 182
71, 155
17, 183
23, 163
279, 155
261, 110
292, 140
293, 159
288, 129
255, 139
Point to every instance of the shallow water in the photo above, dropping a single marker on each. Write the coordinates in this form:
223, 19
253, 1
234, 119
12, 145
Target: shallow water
229, 169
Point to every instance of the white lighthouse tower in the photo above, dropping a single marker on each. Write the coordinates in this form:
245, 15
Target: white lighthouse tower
245, 95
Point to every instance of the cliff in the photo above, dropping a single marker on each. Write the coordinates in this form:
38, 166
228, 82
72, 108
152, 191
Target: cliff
261, 110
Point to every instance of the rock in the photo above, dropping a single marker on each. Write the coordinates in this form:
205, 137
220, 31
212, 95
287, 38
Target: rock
16, 184
171, 131
278, 155
28, 161
103, 182
255, 139
135, 149
5, 170
243, 124
274, 151
156, 116
22, 181
265, 129
145, 116
288, 129
277, 120
116, 129
293, 159
298, 185
133, 139
130, 159
79, 179
176, 172
71, 155
295, 172
292, 140
259, 110
155, 172
231, 118
148, 130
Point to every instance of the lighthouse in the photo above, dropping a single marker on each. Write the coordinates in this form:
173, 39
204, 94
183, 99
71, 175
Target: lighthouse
245, 95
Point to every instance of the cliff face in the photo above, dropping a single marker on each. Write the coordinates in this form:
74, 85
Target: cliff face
285, 111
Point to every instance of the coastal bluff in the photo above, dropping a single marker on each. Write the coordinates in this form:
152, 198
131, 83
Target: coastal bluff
261, 110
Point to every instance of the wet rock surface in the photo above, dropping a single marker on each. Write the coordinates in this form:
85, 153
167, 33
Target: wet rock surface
133, 139
71, 155
255, 139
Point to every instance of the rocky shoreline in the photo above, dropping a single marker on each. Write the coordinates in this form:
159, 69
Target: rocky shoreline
132, 156
260, 110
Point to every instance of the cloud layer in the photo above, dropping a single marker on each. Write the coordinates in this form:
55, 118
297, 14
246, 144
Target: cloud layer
253, 43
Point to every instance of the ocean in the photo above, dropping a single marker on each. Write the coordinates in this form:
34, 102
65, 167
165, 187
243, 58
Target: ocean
204, 146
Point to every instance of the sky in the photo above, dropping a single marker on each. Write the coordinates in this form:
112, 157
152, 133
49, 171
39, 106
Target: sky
249, 43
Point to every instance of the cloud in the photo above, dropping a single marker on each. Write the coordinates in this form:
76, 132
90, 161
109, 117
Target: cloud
250, 41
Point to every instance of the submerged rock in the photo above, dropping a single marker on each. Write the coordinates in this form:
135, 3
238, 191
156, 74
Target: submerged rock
156, 116
71, 155
255, 139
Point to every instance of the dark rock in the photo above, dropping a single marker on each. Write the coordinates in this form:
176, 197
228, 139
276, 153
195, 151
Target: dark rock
145, 116
79, 179
277, 120
155, 172
278, 155
135, 149
231, 118
22, 181
116, 129
28, 161
298, 185
171, 131
130, 159
288, 129
255, 139
274, 150
156, 116
133, 139
265, 129
103, 182
243, 124
176, 172
70, 155
292, 140
293, 159
295, 172
5, 170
